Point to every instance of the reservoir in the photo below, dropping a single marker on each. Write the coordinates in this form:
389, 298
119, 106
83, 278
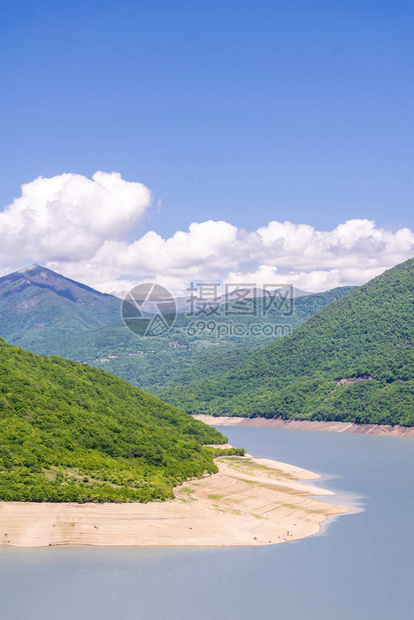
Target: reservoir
359, 567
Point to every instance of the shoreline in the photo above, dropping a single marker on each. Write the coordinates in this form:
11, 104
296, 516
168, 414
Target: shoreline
309, 425
249, 502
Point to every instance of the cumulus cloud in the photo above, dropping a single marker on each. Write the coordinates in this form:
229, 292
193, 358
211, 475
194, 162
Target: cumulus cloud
280, 253
81, 227
68, 217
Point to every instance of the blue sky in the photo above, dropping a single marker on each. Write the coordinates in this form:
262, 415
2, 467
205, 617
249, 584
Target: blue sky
246, 111
242, 111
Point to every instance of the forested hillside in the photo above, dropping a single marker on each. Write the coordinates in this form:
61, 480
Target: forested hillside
69, 432
352, 361
48, 314
37, 303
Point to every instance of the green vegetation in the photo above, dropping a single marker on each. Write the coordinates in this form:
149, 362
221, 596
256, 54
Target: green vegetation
217, 452
48, 314
352, 361
36, 302
69, 432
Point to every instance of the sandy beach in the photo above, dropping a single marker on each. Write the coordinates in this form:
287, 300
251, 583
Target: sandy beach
309, 425
250, 501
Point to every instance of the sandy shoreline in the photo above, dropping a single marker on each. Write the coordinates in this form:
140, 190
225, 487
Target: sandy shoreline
249, 502
308, 425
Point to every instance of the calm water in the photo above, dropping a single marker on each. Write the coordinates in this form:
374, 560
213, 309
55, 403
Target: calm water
361, 567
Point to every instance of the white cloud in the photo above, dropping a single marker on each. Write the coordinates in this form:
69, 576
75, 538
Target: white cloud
68, 217
80, 227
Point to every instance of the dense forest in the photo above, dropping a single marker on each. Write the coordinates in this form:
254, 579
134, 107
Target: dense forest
352, 361
69, 432
46, 313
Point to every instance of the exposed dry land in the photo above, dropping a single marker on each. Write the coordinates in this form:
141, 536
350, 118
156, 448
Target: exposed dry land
308, 425
250, 501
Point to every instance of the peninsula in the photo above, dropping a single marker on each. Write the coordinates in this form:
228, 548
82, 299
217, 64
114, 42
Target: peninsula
250, 501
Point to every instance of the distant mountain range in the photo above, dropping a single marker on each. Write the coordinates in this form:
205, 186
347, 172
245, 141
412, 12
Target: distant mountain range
47, 313
349, 355
186, 303
352, 361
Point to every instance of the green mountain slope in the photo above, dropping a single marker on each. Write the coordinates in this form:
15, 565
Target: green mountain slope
69, 432
352, 361
36, 303
190, 350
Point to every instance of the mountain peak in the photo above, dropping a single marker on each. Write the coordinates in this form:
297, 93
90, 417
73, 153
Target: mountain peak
29, 268
36, 297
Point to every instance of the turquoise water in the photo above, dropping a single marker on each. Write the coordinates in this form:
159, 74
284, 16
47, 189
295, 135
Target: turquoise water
361, 567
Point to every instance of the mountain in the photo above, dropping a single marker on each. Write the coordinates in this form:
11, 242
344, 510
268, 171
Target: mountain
184, 304
352, 361
48, 314
69, 432
36, 302
194, 347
